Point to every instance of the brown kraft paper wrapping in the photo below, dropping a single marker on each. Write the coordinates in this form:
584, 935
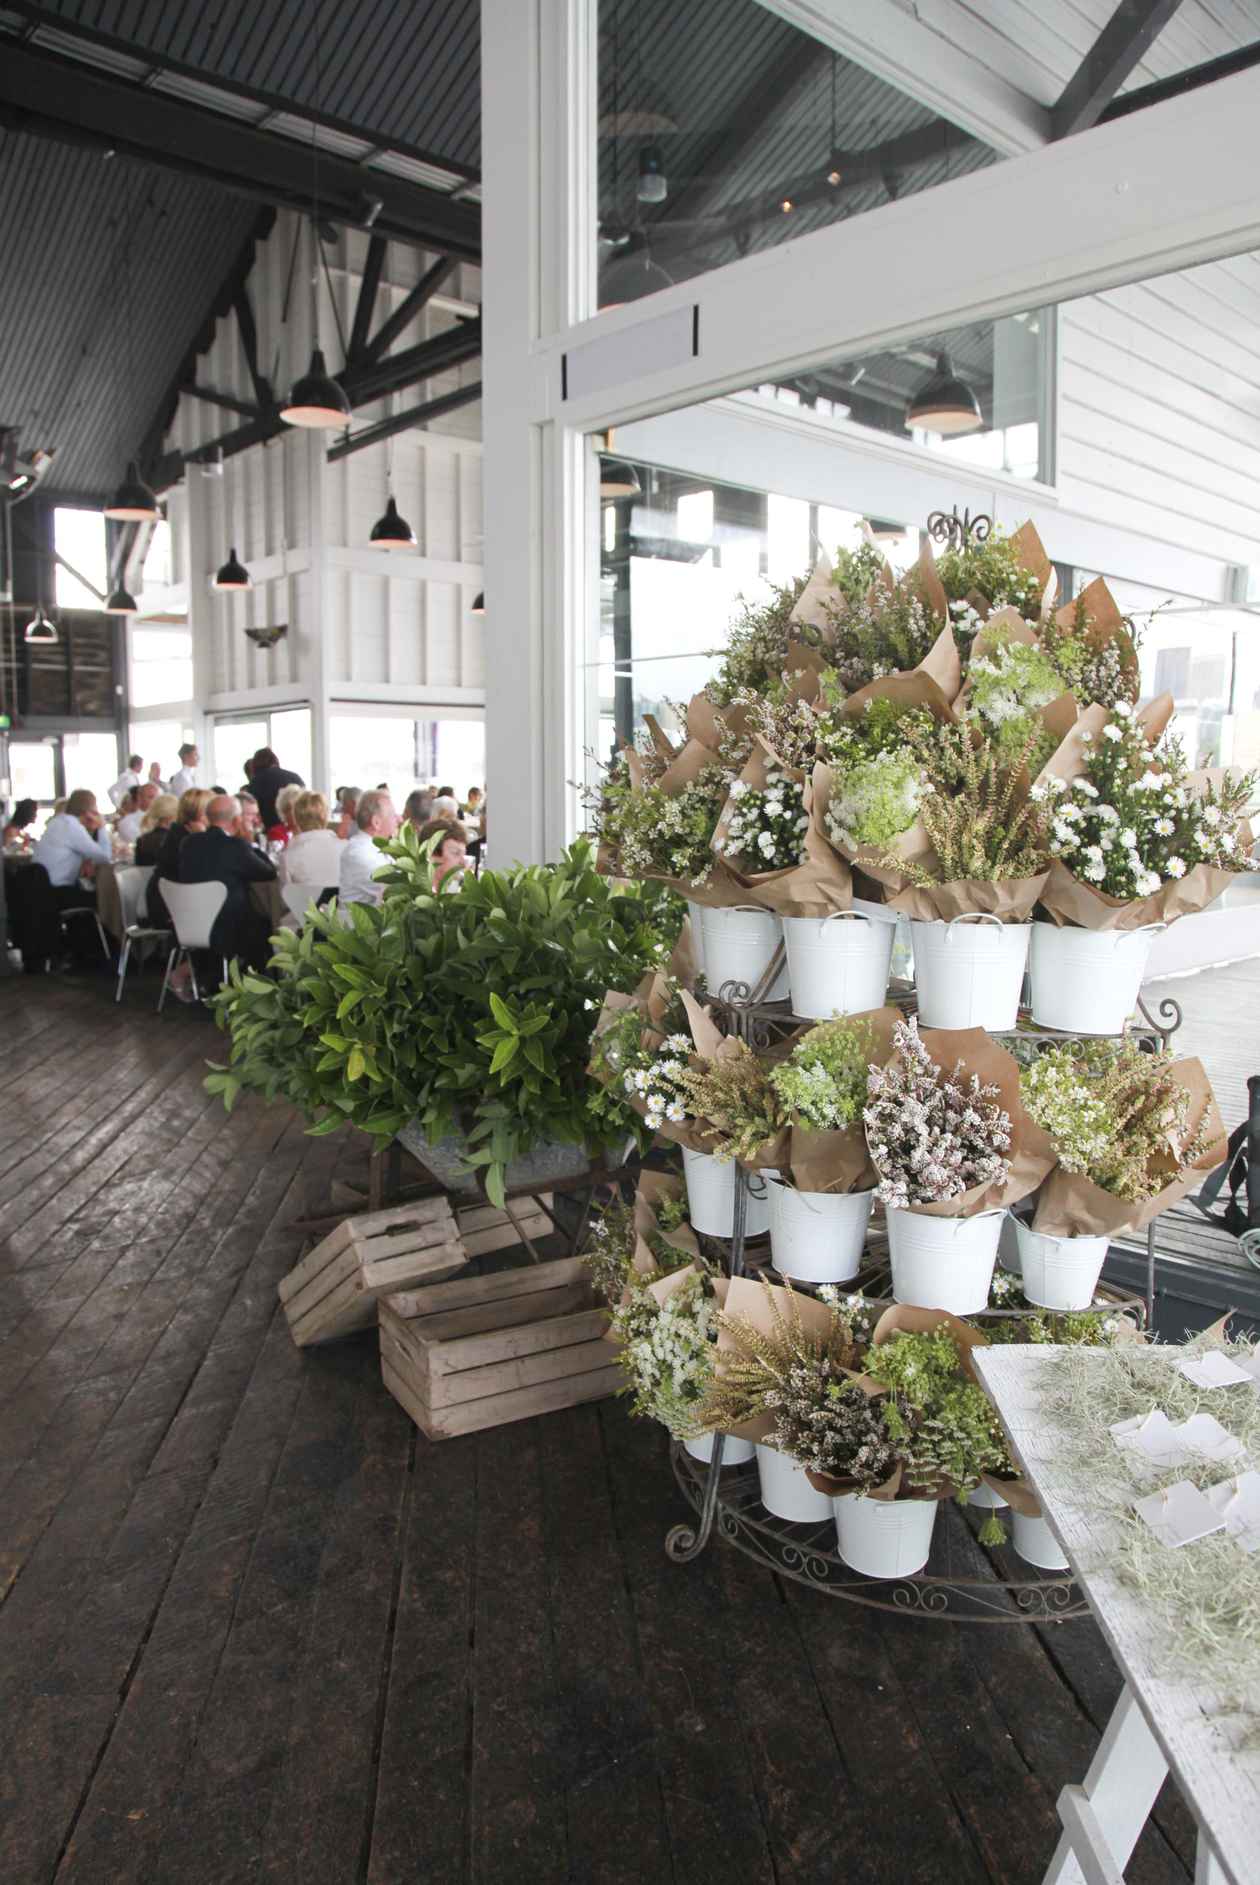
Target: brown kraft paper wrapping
1104, 622
913, 845
1031, 1153
711, 1044
1011, 900
836, 1159
747, 1300
1069, 903
1071, 1205
817, 601
820, 883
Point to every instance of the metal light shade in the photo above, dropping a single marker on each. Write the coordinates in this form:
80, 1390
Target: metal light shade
944, 403
392, 532
133, 502
40, 629
317, 400
479, 603
618, 479
121, 602
232, 574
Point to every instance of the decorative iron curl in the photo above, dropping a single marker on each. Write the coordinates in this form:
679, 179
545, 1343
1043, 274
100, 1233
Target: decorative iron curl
929, 1597
958, 532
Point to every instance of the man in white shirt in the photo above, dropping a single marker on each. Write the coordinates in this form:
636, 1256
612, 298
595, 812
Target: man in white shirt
185, 779
360, 859
126, 781
72, 839
129, 826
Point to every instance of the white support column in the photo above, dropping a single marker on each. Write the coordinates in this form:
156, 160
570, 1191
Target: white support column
202, 610
313, 667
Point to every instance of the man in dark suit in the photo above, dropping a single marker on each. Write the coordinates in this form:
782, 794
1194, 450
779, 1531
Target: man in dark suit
215, 856
266, 779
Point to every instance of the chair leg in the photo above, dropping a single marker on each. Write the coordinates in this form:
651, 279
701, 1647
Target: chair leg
166, 979
122, 967
192, 973
100, 930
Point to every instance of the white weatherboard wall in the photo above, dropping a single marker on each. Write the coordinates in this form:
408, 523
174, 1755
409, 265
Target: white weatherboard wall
362, 625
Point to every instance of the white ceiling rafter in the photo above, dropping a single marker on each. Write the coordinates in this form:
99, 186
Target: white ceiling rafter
897, 47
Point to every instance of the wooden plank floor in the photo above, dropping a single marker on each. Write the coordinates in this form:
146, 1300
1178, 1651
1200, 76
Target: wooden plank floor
253, 1628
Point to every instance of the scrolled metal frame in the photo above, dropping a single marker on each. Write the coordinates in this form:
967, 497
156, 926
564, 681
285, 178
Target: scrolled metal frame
958, 532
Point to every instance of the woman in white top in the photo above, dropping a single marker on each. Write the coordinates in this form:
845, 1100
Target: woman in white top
313, 853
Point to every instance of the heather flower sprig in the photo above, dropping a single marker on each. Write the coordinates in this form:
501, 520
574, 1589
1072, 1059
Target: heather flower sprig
734, 1096
932, 1135
886, 632
1132, 822
760, 1362
1115, 1113
1099, 672
667, 1352
829, 1425
979, 826
823, 1081
766, 828
757, 646
664, 834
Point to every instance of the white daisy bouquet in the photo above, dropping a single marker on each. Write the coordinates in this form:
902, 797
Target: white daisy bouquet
1131, 827
667, 1331
765, 828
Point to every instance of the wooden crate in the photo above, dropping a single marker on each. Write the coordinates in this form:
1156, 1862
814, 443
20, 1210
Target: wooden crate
334, 1289
482, 1351
483, 1227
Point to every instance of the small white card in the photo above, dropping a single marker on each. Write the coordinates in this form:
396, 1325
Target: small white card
1214, 1370
1179, 1514
1204, 1434
1250, 1365
1153, 1436
1237, 1501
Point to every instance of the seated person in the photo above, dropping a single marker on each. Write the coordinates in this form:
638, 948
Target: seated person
160, 815
216, 856
74, 843
284, 829
131, 824
445, 805
313, 855
360, 859
190, 816
17, 836
419, 807
249, 824
347, 805
450, 855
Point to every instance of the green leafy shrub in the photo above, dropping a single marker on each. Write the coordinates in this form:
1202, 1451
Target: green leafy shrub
464, 1010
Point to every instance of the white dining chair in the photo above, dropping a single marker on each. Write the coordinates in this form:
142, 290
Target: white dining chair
299, 898
133, 881
193, 908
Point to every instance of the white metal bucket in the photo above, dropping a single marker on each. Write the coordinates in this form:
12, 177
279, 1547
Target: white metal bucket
696, 912
818, 1236
943, 1262
739, 945
1037, 1544
969, 971
786, 1491
985, 1497
711, 1196
1087, 980
1060, 1272
837, 964
734, 1453
884, 1537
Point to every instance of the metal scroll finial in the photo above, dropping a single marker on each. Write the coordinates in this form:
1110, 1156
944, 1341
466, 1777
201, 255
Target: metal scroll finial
958, 532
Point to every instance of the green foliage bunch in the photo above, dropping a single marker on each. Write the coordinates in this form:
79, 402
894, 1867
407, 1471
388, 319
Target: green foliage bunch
823, 1081
1008, 684
943, 1425
737, 1098
993, 570
464, 1010
756, 649
980, 826
1114, 1112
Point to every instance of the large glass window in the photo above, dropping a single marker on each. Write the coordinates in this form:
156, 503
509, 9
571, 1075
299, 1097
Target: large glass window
79, 539
286, 730
91, 763
161, 664
159, 740
370, 749
724, 130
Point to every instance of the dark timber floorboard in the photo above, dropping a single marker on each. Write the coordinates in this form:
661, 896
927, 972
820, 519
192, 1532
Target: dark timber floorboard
252, 1627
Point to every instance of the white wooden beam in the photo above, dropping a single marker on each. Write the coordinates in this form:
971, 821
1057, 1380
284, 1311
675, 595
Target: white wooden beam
894, 45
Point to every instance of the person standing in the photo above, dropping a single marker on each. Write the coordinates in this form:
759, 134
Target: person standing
184, 779
266, 780
215, 856
360, 858
73, 840
127, 781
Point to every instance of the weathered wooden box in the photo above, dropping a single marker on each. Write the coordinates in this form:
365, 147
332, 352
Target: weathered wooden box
334, 1289
483, 1351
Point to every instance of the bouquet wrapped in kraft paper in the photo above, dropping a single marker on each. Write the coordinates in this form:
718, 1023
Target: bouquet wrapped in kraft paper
729, 1127
772, 1313
964, 1052
1056, 716
659, 1099
833, 626
655, 1190
1070, 1204
837, 1159
1178, 885
805, 876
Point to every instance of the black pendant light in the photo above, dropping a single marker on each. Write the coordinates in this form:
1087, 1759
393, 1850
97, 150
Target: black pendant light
392, 532
121, 601
479, 603
317, 400
133, 502
232, 574
40, 629
618, 479
945, 403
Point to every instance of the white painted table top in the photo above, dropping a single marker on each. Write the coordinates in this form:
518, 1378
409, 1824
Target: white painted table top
1219, 1781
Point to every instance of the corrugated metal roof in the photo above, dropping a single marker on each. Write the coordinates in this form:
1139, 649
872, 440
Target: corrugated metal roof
406, 71
68, 218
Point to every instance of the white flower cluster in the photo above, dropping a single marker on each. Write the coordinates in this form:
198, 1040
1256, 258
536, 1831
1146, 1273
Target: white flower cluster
967, 620
877, 800
659, 1085
766, 829
667, 1351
